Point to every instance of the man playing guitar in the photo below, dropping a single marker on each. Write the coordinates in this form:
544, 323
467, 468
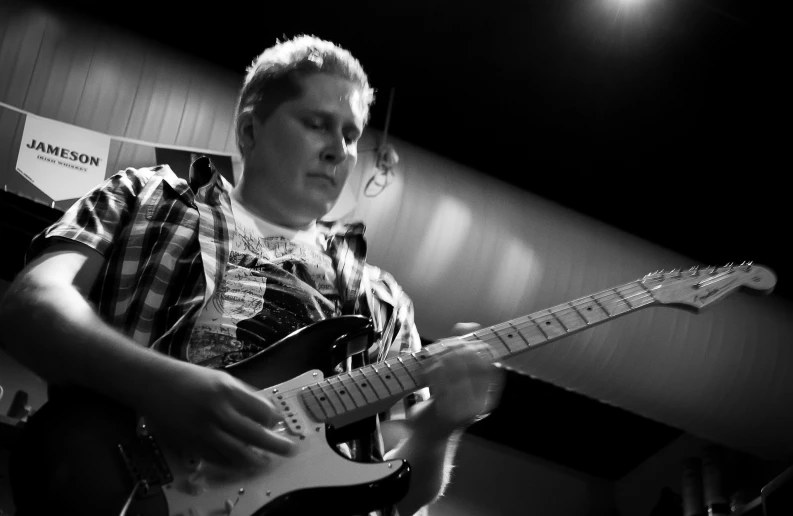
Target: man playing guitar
150, 286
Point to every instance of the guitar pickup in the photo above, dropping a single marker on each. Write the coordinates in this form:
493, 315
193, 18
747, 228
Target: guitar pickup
146, 465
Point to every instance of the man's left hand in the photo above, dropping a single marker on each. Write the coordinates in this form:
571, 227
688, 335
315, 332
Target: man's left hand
465, 386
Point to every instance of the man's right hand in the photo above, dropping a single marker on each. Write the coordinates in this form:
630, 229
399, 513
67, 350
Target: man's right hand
210, 414
54, 331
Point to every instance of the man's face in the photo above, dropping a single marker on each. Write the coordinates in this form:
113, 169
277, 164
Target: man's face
304, 151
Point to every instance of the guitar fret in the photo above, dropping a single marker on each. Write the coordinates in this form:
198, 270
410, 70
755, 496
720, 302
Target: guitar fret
402, 387
418, 366
551, 324
383, 379
335, 401
344, 393
566, 329
595, 317
362, 388
407, 370
601, 306
570, 317
395, 374
536, 334
641, 284
626, 295
537, 325
373, 385
581, 315
504, 342
324, 406
494, 342
632, 295
631, 292
519, 332
624, 301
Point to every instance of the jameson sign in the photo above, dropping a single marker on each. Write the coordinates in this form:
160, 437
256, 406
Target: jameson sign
62, 160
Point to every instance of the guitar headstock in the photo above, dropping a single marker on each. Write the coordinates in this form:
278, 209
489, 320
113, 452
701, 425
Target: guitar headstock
698, 288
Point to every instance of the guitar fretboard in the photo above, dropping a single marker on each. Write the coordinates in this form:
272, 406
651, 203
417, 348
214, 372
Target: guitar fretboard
371, 389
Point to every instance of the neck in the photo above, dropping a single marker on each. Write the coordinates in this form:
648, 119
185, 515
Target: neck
264, 208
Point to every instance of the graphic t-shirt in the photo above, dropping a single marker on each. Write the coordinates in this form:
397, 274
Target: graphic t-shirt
277, 281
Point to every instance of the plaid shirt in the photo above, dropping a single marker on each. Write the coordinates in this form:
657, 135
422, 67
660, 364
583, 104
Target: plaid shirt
166, 250
166, 245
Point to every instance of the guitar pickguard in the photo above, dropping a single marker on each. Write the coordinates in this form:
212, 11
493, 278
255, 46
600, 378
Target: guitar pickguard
284, 480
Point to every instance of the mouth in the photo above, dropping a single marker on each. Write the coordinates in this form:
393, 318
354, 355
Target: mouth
324, 177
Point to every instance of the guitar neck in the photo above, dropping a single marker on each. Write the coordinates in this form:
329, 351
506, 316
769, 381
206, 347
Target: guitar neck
371, 389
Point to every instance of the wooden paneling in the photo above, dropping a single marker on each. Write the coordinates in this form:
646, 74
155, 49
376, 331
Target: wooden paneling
723, 375
93, 76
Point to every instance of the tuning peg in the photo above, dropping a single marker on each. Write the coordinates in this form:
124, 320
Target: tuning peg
749, 266
694, 270
729, 265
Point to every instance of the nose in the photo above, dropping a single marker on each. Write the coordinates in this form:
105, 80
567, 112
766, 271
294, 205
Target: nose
335, 151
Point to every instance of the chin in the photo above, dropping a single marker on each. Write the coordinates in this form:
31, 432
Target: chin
317, 210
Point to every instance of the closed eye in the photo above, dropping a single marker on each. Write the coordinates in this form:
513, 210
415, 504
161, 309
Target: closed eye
314, 124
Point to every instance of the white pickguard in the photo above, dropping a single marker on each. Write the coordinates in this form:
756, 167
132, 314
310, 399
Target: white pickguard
315, 464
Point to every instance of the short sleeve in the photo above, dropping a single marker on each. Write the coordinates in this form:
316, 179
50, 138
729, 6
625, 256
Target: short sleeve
98, 217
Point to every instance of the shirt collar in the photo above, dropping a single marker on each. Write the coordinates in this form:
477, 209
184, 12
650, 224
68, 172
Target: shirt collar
206, 182
341, 229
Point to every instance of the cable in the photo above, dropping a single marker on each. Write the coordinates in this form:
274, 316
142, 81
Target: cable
130, 497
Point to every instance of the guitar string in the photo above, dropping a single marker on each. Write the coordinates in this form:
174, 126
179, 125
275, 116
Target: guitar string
608, 293
643, 298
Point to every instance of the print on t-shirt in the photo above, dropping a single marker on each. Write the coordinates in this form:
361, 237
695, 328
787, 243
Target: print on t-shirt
272, 287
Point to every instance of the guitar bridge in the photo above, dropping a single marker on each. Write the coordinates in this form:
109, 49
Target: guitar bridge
146, 465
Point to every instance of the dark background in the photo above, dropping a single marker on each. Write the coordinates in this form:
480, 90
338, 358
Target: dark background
665, 118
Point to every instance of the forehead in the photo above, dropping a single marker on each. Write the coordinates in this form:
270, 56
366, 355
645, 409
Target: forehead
333, 94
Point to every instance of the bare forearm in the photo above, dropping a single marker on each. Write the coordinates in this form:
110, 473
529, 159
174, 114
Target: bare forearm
53, 331
431, 459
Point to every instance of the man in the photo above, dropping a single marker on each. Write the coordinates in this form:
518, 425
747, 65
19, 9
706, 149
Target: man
207, 275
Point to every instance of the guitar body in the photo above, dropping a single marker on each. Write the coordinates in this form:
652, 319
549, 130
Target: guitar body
82, 453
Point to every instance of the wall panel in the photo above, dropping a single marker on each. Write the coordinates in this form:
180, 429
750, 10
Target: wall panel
723, 375
101, 78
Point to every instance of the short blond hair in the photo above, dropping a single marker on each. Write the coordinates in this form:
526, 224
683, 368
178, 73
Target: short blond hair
273, 77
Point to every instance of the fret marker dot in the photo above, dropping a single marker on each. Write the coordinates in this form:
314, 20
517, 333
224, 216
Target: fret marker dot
363, 384
548, 323
509, 336
342, 392
589, 308
388, 377
322, 398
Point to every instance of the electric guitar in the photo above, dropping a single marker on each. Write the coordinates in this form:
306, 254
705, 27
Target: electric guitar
94, 457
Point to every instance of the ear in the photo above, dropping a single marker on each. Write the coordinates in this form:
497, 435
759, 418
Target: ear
246, 130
